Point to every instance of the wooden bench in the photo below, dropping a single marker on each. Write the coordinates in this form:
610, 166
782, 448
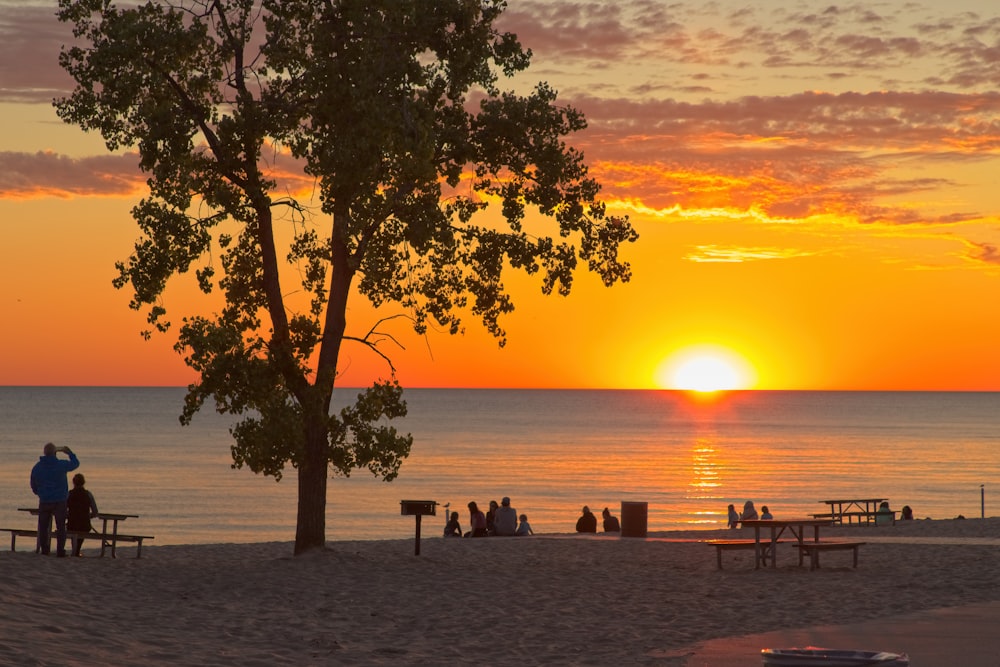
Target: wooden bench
729, 545
813, 549
864, 518
73, 536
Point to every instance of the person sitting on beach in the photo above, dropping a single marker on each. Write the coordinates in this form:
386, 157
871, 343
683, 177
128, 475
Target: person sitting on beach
733, 520
452, 528
477, 521
524, 528
749, 512
505, 519
884, 516
491, 517
80, 509
765, 514
906, 514
611, 524
586, 523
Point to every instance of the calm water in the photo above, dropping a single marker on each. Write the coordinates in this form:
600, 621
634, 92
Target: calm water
550, 451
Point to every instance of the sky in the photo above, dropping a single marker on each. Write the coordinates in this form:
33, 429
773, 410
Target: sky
816, 187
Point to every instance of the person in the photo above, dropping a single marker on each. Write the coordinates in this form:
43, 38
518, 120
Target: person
491, 516
906, 514
884, 516
505, 519
611, 524
765, 514
586, 523
453, 528
477, 521
524, 528
80, 509
749, 512
48, 482
733, 521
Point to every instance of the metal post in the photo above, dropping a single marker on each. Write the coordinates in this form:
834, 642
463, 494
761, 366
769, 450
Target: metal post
416, 550
982, 501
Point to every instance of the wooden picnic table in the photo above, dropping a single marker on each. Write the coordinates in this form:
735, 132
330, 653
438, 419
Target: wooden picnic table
864, 509
107, 539
797, 527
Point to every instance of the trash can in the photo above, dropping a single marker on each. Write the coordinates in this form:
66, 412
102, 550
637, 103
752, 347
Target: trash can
808, 657
634, 519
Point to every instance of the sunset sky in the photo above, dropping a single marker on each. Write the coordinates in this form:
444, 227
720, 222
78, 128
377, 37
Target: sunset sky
816, 186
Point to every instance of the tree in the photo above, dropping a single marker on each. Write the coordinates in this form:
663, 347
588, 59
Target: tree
392, 110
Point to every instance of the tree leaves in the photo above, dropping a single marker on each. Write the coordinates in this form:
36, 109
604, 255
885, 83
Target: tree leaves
393, 108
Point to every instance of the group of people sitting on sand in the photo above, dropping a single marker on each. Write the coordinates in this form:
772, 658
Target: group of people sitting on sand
749, 513
587, 523
501, 521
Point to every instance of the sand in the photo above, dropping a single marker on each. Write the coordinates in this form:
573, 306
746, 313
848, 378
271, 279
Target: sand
542, 600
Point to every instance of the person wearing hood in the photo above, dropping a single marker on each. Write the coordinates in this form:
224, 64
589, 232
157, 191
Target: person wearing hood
48, 482
587, 523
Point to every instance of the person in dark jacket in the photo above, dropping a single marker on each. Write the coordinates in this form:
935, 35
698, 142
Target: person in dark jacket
80, 509
586, 523
611, 523
48, 482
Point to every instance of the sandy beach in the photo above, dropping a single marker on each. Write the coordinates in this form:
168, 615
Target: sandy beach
556, 599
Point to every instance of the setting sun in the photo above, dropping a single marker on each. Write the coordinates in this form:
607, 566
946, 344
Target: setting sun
705, 369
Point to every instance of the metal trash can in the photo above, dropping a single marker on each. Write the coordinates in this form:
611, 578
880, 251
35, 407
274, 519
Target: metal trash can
826, 657
635, 516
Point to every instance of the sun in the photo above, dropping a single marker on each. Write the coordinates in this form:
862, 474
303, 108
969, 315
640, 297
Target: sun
705, 369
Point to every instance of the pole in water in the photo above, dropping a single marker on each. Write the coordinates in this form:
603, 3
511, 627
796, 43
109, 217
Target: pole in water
982, 501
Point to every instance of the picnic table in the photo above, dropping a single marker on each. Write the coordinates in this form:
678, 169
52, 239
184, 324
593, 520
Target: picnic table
797, 527
862, 509
108, 539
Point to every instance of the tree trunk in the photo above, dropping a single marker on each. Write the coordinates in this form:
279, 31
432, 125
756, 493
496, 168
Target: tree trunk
310, 526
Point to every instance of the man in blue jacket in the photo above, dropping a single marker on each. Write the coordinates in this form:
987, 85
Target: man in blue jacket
48, 482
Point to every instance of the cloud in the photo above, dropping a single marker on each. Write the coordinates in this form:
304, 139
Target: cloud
987, 253
47, 174
792, 156
30, 40
733, 254
678, 116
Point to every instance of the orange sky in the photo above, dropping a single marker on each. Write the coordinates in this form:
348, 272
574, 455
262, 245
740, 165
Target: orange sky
815, 186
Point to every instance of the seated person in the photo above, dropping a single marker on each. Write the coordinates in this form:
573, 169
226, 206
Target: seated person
524, 528
884, 516
80, 509
611, 524
765, 514
453, 529
586, 523
749, 512
490, 517
906, 514
477, 521
733, 520
505, 519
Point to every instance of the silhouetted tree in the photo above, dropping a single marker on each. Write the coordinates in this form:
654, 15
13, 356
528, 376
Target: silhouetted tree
391, 110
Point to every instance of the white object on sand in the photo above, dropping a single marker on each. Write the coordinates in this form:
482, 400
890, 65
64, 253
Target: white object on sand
825, 657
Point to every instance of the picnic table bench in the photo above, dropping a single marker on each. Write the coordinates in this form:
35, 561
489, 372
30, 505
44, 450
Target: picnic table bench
107, 539
729, 545
813, 550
